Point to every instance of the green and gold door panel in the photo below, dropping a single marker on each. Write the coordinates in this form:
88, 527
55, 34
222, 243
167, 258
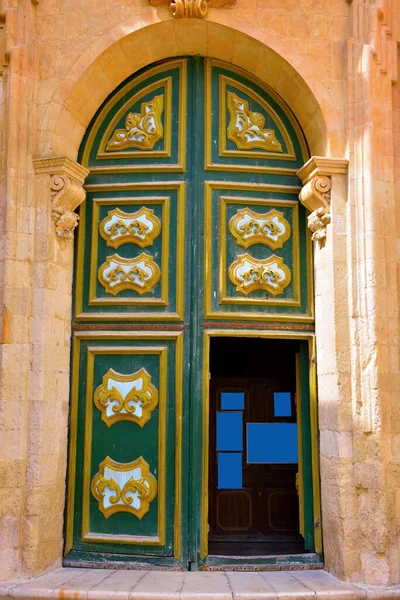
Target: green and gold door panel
131, 252
126, 424
127, 421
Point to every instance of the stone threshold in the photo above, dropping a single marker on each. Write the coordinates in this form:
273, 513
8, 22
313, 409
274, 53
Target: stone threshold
107, 584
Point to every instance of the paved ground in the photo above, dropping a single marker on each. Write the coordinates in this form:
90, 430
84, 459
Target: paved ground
99, 584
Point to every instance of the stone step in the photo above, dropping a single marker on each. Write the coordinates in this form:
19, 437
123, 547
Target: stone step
107, 584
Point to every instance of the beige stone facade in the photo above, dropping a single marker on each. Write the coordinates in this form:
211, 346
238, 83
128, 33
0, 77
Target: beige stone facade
335, 63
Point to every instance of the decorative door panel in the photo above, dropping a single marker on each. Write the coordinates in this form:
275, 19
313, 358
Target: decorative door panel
126, 423
191, 213
142, 127
256, 253
131, 252
250, 129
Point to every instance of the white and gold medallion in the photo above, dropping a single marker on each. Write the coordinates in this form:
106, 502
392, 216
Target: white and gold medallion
249, 274
124, 487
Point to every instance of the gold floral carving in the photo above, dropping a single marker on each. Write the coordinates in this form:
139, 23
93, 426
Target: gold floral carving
140, 274
193, 8
124, 487
142, 130
249, 274
249, 227
126, 397
246, 128
141, 227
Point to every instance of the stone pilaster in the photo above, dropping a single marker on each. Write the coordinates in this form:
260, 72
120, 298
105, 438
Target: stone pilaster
58, 191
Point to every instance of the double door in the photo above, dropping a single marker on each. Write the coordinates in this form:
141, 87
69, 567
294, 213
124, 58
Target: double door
191, 230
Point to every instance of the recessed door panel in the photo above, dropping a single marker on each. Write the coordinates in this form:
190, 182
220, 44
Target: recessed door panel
126, 412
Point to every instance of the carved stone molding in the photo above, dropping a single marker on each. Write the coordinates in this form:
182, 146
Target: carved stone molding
316, 176
197, 9
66, 179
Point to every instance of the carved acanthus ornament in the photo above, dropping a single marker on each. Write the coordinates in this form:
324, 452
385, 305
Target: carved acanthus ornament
315, 195
197, 9
66, 179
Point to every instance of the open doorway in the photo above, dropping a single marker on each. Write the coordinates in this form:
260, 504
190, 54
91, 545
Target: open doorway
255, 463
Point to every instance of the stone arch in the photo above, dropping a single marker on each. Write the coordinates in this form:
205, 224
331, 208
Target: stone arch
140, 41
129, 47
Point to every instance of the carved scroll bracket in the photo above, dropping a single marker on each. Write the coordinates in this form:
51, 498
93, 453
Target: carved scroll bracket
197, 9
66, 179
316, 176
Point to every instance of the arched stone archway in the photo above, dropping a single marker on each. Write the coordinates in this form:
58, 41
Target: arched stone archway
111, 59
134, 44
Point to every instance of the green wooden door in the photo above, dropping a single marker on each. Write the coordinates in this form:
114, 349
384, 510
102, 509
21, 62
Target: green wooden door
191, 227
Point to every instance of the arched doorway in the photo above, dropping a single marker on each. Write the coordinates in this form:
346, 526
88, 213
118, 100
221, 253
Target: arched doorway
192, 242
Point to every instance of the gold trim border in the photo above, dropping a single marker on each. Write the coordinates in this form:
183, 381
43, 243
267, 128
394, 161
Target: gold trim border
223, 81
166, 85
145, 168
222, 275
178, 315
137, 336
246, 333
92, 351
209, 314
165, 247
208, 162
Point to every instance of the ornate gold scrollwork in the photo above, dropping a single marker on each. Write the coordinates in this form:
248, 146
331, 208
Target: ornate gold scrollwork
141, 227
142, 130
249, 227
126, 397
245, 127
128, 487
140, 274
249, 274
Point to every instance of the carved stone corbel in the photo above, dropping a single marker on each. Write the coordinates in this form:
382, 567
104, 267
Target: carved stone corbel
66, 179
197, 9
316, 176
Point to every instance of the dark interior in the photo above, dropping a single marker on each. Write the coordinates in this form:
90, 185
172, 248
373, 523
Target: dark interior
253, 501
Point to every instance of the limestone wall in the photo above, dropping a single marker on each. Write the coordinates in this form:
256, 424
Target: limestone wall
335, 64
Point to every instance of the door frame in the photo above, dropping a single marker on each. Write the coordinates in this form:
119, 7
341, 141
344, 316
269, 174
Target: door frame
200, 453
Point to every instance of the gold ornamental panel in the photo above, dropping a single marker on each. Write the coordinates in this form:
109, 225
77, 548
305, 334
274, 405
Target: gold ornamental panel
141, 227
249, 274
142, 130
249, 227
122, 487
246, 128
140, 274
126, 397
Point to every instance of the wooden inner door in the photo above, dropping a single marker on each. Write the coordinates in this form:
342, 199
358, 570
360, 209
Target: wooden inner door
253, 500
